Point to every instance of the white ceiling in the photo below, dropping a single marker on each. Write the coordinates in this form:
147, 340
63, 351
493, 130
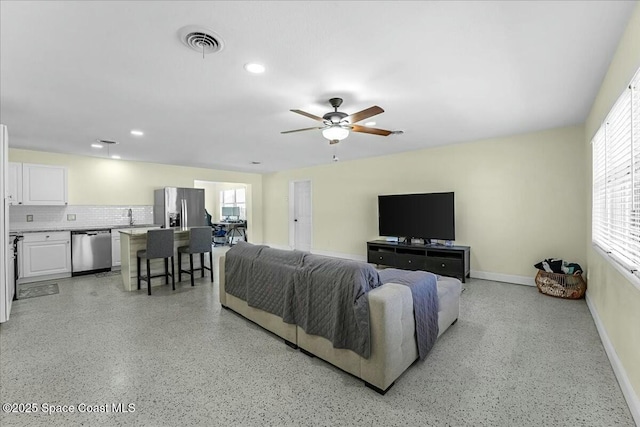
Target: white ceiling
445, 72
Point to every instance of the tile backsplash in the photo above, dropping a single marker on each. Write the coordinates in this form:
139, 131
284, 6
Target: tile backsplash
53, 217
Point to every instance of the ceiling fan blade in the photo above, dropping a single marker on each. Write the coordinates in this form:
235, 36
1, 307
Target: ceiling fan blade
301, 130
311, 116
365, 129
364, 114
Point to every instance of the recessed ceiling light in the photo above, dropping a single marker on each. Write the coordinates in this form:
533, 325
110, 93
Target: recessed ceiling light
115, 156
137, 132
96, 145
254, 68
370, 124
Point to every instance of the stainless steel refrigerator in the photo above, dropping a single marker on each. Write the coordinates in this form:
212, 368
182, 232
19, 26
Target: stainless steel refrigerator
179, 207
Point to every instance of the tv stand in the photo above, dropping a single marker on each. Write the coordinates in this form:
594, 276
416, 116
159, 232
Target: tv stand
444, 260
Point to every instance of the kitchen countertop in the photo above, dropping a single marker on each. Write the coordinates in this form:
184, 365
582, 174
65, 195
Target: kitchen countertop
143, 230
137, 231
86, 227
134, 240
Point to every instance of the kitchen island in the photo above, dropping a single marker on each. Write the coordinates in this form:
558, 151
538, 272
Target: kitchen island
133, 240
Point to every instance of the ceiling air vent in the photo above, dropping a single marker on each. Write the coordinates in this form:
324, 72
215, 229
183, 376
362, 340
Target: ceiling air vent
200, 39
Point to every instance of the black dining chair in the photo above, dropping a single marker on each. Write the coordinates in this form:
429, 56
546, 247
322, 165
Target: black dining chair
159, 245
199, 243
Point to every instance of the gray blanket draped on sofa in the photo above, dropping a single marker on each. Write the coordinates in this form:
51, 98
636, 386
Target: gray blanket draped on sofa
324, 296
424, 290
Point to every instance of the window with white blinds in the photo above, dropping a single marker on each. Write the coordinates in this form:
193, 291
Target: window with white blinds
616, 180
234, 198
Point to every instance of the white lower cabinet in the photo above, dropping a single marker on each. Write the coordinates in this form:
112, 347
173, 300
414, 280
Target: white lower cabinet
45, 254
115, 248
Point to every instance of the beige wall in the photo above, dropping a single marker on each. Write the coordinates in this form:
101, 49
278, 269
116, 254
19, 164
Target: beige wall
518, 199
210, 199
615, 298
96, 181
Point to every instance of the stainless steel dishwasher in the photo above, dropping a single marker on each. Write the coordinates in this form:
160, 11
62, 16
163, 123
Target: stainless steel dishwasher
90, 251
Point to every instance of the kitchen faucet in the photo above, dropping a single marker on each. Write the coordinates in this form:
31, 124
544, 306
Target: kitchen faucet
130, 214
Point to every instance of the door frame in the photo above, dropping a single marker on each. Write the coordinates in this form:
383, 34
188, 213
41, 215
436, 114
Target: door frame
292, 237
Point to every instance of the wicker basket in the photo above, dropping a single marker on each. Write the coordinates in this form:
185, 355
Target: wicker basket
561, 285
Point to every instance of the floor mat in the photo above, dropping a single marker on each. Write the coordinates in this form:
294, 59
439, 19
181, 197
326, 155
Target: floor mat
38, 291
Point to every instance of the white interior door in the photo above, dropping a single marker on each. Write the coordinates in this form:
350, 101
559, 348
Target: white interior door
6, 281
300, 219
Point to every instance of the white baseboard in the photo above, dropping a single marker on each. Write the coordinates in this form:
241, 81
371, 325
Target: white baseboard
621, 375
24, 280
276, 246
341, 255
325, 253
499, 277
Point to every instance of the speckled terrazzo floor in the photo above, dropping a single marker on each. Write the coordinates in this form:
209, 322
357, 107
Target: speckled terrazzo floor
515, 358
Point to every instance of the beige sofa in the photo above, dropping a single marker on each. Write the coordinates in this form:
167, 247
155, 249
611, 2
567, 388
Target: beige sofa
393, 342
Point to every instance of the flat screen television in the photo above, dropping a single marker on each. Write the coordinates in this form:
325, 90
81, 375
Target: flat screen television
423, 216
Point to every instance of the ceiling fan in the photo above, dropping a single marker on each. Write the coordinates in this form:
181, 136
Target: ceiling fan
336, 124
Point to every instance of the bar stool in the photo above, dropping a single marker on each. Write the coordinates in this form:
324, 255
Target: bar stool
199, 243
159, 245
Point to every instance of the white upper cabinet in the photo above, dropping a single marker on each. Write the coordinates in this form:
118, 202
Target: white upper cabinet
44, 184
15, 184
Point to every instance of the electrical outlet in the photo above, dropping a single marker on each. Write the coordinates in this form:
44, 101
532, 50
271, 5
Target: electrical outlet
71, 217
29, 218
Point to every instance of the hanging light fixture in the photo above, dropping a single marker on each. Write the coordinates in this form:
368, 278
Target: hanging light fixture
335, 132
108, 144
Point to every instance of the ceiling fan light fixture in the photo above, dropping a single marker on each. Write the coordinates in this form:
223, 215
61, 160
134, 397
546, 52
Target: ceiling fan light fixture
335, 133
